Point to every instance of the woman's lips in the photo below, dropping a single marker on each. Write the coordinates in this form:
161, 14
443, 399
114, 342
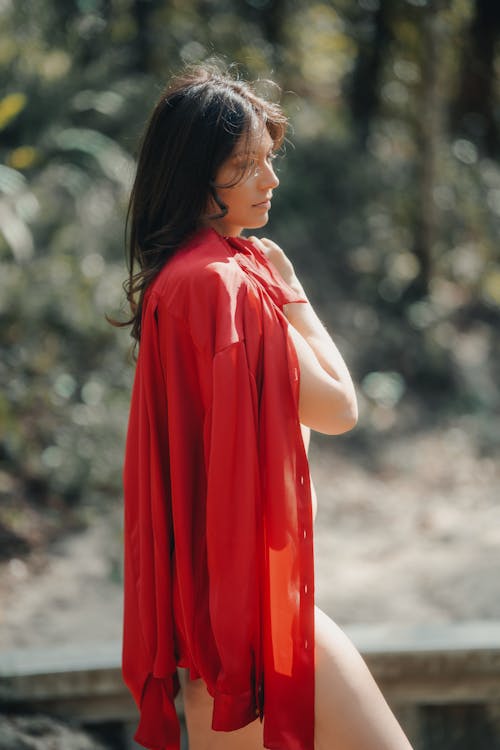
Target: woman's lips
264, 204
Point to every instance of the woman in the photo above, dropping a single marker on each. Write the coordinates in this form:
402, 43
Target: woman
233, 370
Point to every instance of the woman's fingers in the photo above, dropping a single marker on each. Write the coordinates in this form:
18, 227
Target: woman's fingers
277, 257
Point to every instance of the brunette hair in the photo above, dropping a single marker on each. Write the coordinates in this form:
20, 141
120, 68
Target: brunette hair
193, 129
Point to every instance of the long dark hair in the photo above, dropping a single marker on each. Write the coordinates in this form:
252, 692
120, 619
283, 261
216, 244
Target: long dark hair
193, 129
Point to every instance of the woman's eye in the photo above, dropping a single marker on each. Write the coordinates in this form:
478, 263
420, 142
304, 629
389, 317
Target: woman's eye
252, 164
246, 165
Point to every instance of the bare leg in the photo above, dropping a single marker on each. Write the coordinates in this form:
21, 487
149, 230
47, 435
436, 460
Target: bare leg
350, 711
198, 705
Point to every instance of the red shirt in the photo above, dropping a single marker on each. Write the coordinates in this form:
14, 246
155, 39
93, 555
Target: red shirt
218, 538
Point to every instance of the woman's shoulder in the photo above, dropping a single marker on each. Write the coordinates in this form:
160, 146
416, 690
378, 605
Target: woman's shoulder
201, 267
203, 292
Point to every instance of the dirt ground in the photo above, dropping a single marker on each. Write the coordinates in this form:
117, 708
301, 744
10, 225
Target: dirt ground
414, 538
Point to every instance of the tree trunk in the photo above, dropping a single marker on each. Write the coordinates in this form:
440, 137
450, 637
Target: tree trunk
270, 18
365, 85
474, 110
429, 127
141, 10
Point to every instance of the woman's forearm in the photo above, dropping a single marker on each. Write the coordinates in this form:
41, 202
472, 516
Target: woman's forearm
304, 319
328, 399
327, 403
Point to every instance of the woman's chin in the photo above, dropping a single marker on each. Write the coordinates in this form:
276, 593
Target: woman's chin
263, 221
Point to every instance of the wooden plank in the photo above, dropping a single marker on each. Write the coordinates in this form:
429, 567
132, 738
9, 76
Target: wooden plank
439, 663
446, 664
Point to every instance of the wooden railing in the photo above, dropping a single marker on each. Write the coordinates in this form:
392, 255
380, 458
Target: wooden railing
443, 681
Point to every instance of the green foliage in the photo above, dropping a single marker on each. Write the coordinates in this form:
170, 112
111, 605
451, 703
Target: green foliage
389, 206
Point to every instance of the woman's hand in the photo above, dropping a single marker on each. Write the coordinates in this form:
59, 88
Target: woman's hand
280, 261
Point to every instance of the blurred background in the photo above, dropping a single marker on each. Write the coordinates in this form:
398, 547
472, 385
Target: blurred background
389, 206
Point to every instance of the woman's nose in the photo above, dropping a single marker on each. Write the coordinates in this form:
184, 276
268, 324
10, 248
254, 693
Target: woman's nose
268, 177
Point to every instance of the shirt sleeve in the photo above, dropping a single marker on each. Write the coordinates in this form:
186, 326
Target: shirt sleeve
148, 663
233, 517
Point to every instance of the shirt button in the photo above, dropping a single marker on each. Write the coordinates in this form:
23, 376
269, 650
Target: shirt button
301, 479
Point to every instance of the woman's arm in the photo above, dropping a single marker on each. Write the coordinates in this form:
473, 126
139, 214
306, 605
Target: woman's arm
327, 401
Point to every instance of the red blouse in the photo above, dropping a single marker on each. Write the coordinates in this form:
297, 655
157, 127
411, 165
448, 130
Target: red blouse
219, 574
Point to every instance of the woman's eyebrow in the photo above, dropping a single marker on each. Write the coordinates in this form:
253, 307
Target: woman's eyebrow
252, 152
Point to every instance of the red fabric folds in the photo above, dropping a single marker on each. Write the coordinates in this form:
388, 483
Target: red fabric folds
218, 521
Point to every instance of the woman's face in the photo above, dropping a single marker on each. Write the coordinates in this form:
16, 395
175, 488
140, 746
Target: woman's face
248, 201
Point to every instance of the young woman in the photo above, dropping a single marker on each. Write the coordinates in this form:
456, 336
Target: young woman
233, 370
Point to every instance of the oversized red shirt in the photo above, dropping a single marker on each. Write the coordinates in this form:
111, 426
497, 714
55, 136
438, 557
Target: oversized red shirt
218, 522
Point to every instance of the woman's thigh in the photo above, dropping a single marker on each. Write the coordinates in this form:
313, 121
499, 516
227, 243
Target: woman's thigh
198, 705
350, 711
